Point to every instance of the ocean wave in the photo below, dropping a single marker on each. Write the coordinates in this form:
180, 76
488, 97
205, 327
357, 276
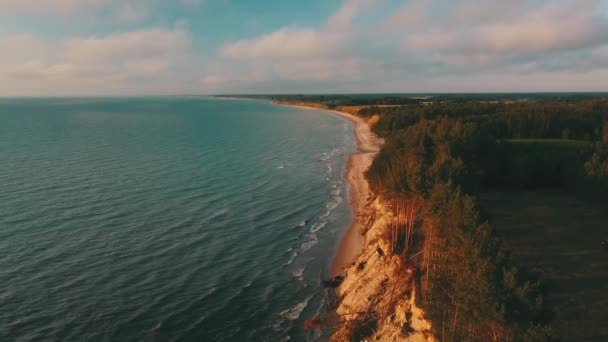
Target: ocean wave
17, 323
294, 312
329, 155
333, 205
156, 327
298, 273
292, 257
329, 208
318, 226
300, 224
7, 295
286, 317
215, 215
306, 246
327, 159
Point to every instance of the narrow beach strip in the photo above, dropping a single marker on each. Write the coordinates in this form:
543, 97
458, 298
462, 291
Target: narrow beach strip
368, 145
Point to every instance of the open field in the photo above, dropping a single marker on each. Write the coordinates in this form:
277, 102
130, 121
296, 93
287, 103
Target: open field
558, 236
537, 163
550, 142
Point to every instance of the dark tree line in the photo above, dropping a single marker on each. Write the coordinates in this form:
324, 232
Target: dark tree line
409, 99
597, 166
576, 120
470, 289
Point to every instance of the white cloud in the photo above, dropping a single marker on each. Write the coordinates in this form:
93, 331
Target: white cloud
128, 45
287, 43
411, 14
333, 38
51, 6
561, 26
350, 10
295, 53
467, 12
140, 61
116, 11
423, 41
130, 12
362, 46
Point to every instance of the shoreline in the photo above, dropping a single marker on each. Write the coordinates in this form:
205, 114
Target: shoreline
236, 98
368, 145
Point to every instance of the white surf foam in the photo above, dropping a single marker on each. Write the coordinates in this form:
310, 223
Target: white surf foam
300, 224
306, 246
292, 257
318, 226
294, 312
298, 273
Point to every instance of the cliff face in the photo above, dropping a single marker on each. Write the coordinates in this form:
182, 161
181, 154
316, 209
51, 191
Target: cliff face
377, 300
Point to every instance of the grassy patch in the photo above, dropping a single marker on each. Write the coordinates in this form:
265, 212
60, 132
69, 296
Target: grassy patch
559, 236
550, 142
536, 163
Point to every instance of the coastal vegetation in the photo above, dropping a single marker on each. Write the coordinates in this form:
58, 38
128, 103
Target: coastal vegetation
463, 161
471, 290
597, 166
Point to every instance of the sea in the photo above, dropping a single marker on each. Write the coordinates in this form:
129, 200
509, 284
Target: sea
167, 218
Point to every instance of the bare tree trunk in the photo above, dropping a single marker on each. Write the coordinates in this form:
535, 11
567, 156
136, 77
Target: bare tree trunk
455, 319
429, 266
443, 328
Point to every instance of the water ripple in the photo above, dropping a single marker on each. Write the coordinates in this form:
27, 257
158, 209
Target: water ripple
165, 219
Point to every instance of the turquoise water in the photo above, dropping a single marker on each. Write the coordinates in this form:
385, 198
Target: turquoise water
166, 219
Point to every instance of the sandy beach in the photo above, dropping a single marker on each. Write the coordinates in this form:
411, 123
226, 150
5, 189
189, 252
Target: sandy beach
368, 144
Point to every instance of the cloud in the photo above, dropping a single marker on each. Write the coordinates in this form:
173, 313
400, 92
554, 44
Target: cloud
334, 38
467, 12
364, 45
411, 14
51, 6
128, 45
289, 42
116, 11
350, 10
295, 53
421, 40
126, 11
130, 12
141, 61
551, 27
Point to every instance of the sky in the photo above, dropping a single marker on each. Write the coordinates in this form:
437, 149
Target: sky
158, 47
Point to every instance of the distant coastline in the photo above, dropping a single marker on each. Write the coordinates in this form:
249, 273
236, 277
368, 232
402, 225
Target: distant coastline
237, 98
368, 145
